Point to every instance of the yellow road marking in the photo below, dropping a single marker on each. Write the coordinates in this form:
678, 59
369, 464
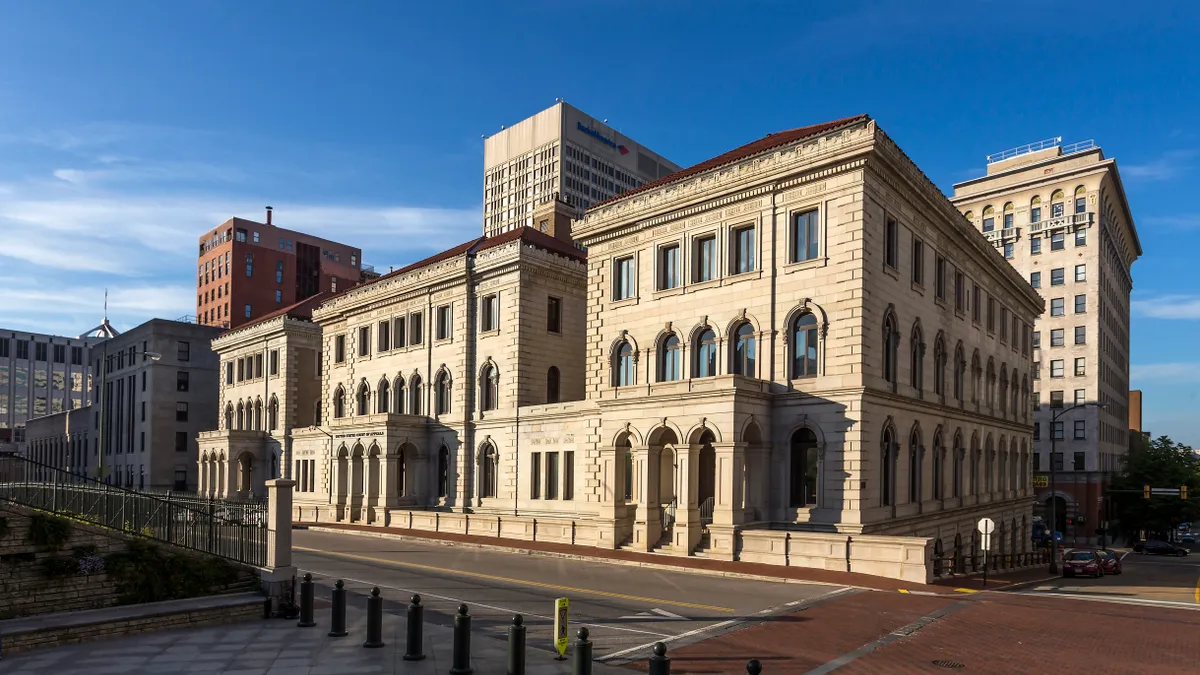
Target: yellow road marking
523, 582
966, 590
903, 590
1197, 594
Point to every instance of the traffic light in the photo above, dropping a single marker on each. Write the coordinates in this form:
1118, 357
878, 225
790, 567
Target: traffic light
1146, 491
1183, 492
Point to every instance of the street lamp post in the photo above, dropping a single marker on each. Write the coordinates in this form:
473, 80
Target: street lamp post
1054, 482
153, 356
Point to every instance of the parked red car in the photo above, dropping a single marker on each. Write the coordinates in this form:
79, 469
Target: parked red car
1082, 563
1110, 562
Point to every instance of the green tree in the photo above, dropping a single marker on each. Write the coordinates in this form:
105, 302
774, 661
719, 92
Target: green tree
1160, 463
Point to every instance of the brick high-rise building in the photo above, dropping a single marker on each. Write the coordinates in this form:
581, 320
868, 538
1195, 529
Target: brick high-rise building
247, 270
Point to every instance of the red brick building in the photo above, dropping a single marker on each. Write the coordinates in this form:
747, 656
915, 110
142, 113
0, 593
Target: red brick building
247, 270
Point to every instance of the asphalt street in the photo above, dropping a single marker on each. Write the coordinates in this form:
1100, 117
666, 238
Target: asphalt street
626, 609
1146, 579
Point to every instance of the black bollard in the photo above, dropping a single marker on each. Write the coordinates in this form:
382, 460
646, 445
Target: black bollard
338, 627
516, 646
374, 620
306, 603
660, 663
582, 663
753, 667
461, 656
416, 617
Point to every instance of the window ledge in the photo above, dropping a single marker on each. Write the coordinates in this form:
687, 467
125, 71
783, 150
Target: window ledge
801, 265
667, 292
919, 288
700, 285
483, 333
624, 302
891, 271
743, 276
445, 340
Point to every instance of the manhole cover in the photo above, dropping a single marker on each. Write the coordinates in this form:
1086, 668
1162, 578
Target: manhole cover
949, 664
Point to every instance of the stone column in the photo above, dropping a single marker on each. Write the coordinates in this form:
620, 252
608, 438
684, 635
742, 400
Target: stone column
278, 576
647, 528
687, 529
612, 497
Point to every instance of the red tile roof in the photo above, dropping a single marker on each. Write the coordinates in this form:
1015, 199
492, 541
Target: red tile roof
300, 310
768, 142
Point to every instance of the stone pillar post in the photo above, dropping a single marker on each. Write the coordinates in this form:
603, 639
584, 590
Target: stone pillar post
279, 576
647, 528
687, 529
612, 497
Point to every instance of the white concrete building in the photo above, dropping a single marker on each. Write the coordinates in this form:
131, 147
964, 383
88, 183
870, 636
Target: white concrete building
40, 374
560, 153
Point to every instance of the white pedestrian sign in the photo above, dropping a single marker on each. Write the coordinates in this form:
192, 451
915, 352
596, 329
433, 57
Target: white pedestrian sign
986, 526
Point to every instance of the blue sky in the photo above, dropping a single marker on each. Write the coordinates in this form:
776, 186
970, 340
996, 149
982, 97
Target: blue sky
128, 128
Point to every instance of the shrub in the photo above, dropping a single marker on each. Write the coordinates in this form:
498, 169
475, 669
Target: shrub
48, 531
146, 573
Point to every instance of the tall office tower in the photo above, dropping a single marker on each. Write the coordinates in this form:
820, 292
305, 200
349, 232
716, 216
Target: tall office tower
40, 375
247, 270
1059, 215
560, 154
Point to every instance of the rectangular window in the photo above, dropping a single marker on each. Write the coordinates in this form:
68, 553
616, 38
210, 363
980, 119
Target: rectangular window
247, 311
443, 328
991, 314
1035, 245
60, 353
1080, 366
383, 335
1080, 396
960, 292
339, 351
939, 273
1057, 307
554, 315
364, 340
551, 475
398, 325
1037, 432
4, 342
1081, 237
668, 267
229, 372
1079, 456
279, 271
39, 349
1058, 431
1081, 273
1004, 324
76, 354
989, 224
535, 476
1035, 279
1056, 210
181, 441
1056, 337
1057, 277
1080, 304
278, 297
976, 303
1035, 214
891, 243
705, 257
1080, 205
624, 282
23, 349
490, 313
1056, 368
1008, 221
1080, 335
918, 262
258, 364
143, 411
181, 381
1056, 400
1037, 339
1057, 460
743, 250
1008, 249
273, 362
804, 236
241, 368
181, 411
569, 475
416, 328
1056, 242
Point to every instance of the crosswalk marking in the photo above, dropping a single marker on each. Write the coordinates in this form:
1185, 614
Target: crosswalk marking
657, 614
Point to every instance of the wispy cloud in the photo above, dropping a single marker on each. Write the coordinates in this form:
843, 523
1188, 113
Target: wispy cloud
1170, 164
1186, 373
1190, 221
1168, 307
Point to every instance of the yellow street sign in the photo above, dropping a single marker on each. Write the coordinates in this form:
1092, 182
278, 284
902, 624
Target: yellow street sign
1041, 481
560, 626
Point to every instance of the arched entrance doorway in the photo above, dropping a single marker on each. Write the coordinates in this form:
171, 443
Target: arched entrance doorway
245, 474
706, 489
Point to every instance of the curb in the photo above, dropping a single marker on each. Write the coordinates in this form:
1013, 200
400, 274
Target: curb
577, 556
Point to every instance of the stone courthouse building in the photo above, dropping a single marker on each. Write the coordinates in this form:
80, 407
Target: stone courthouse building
798, 352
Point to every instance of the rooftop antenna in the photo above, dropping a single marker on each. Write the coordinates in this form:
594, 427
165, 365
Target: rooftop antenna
105, 329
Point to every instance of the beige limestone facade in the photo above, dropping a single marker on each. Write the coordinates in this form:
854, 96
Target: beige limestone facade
775, 356
1060, 217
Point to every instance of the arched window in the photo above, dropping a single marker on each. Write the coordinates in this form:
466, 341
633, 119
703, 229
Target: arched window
989, 219
363, 398
804, 346
1003, 390
441, 393
627, 451
1035, 210
914, 466
956, 477
1008, 215
939, 466
891, 344
976, 379
970, 216
487, 471
1056, 203
939, 368
706, 353
745, 353
991, 384
989, 459
400, 394
317, 413
415, 401
916, 362
489, 388
623, 366
258, 415
228, 416
273, 414
552, 384
1025, 397
443, 471
669, 360
805, 464
383, 396
402, 456
960, 374
974, 468
887, 465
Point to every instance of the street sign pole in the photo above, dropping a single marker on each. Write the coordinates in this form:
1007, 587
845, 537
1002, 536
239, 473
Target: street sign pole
560, 628
986, 526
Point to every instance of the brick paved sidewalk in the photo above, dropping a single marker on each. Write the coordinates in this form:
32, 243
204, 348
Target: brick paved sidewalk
804, 574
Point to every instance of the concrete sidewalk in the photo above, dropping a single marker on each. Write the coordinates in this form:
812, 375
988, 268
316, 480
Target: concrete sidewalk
279, 647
